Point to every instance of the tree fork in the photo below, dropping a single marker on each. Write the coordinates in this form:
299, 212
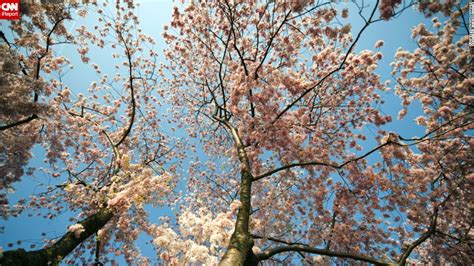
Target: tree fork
55, 253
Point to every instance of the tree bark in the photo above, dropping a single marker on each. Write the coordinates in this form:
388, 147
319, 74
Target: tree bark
267, 254
55, 253
241, 241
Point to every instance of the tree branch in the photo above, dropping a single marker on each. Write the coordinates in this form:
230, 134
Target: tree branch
55, 253
421, 239
301, 248
132, 92
341, 66
279, 240
19, 122
332, 165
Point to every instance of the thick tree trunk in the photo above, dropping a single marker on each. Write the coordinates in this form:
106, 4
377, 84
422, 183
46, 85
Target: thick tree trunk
241, 241
54, 254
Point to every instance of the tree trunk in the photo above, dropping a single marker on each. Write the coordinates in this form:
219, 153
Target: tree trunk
241, 242
54, 254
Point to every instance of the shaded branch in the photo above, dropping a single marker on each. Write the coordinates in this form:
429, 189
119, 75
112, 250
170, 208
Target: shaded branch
55, 253
278, 240
301, 248
4, 38
20, 122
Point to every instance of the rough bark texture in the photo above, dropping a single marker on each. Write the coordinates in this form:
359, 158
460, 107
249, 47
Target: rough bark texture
241, 241
54, 254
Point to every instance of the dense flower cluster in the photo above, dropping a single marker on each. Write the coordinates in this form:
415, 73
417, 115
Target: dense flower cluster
76, 229
201, 237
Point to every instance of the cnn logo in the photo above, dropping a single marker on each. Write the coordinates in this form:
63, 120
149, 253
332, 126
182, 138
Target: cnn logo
9, 9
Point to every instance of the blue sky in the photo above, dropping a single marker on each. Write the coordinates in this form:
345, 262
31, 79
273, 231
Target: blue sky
153, 15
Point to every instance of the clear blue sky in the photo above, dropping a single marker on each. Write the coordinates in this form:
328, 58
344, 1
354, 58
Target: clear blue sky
153, 15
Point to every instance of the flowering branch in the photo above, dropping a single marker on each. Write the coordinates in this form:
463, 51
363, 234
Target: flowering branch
335, 166
431, 230
302, 248
55, 253
19, 122
340, 67
132, 92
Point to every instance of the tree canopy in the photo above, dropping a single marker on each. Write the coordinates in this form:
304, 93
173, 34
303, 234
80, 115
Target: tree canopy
261, 132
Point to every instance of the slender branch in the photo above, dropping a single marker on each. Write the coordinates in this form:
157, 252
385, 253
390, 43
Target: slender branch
38, 62
333, 223
109, 139
301, 248
97, 251
132, 92
4, 38
20, 122
38, 67
465, 24
270, 42
421, 239
332, 165
341, 66
221, 79
309, 10
278, 240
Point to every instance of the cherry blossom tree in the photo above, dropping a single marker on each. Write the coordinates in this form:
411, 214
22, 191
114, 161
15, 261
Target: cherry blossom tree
104, 145
280, 98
